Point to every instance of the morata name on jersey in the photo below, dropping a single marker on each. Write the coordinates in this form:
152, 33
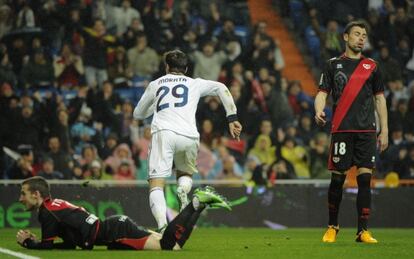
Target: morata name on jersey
174, 80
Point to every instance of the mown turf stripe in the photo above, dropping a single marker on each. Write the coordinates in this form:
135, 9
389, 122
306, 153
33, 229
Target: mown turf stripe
17, 254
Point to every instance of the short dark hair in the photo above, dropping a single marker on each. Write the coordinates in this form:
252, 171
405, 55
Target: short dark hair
176, 60
38, 183
358, 23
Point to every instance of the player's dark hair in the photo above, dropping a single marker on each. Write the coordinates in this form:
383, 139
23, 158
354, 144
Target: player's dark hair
177, 61
38, 183
358, 23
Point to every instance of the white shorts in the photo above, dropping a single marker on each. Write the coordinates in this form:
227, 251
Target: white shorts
168, 146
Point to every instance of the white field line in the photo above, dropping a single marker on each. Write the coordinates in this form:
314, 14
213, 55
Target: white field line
17, 254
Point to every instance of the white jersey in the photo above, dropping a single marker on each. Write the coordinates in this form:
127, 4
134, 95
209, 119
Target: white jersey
173, 100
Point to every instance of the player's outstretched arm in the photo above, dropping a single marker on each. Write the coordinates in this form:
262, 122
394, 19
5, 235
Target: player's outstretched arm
26, 239
381, 108
145, 106
320, 102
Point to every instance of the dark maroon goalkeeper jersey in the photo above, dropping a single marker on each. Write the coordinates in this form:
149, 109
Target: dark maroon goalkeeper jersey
73, 224
353, 83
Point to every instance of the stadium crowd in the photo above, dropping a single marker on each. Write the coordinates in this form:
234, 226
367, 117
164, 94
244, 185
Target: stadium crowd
71, 73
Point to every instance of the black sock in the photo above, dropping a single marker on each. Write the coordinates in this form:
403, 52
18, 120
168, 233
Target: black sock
179, 230
363, 200
335, 197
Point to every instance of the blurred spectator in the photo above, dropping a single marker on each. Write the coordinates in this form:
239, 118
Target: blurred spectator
143, 60
97, 42
291, 131
88, 155
281, 169
123, 17
297, 156
22, 168
207, 135
7, 76
265, 128
227, 34
401, 116
221, 154
241, 96
121, 154
266, 54
48, 170
119, 73
332, 39
6, 20
390, 69
298, 99
402, 163
264, 150
205, 161
60, 128
306, 129
83, 131
276, 100
72, 27
68, 68
396, 143
207, 64
140, 148
189, 42
319, 154
25, 18
125, 171
106, 106
61, 160
38, 72
253, 170
27, 128
130, 36
77, 172
211, 109
166, 30
110, 144
403, 54
127, 126
95, 172
228, 170
50, 17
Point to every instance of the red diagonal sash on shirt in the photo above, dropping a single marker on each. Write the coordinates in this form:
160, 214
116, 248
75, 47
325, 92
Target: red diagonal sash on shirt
351, 91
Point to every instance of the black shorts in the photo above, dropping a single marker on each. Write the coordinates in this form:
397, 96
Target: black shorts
349, 149
121, 232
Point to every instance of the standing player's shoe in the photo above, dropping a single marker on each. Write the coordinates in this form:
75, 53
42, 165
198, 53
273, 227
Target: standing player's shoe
182, 198
209, 196
365, 237
330, 234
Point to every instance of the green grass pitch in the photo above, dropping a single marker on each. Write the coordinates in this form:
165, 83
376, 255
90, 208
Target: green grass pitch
254, 243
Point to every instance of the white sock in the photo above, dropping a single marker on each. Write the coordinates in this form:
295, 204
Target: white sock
185, 182
158, 206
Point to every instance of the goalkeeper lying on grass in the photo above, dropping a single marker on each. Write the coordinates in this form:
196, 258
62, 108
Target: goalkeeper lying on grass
77, 227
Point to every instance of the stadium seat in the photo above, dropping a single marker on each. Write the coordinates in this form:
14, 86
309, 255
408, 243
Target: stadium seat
133, 94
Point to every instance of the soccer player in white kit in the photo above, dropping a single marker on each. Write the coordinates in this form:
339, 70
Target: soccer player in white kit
173, 100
